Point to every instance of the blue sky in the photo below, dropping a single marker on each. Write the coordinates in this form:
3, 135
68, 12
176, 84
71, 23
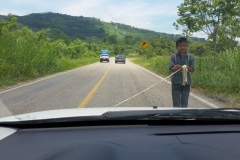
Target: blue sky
157, 15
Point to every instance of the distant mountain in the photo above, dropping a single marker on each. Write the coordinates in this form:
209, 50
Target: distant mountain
86, 28
74, 27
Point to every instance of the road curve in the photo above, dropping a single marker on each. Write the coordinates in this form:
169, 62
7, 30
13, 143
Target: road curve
95, 85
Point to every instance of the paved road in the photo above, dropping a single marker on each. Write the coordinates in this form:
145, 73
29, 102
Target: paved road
95, 85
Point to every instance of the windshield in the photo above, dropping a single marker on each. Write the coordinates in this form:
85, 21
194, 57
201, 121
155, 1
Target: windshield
120, 56
58, 55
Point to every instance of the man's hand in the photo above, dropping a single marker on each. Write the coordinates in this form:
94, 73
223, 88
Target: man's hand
176, 67
190, 69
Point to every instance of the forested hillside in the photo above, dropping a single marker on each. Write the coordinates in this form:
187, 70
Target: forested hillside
90, 29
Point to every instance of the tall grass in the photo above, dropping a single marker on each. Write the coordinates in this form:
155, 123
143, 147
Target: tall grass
26, 55
219, 74
158, 64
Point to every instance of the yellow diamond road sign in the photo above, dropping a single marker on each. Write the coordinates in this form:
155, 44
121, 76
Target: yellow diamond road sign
144, 44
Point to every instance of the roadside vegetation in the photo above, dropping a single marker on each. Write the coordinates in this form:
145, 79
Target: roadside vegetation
26, 55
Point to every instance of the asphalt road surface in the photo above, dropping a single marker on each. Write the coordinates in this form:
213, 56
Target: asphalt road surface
96, 85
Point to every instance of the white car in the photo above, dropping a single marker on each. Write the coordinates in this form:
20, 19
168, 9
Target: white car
104, 57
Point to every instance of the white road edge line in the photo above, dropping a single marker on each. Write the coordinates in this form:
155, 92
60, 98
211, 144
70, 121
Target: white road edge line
42, 79
191, 94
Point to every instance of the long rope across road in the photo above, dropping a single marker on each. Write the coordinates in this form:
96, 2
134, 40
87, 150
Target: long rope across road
147, 88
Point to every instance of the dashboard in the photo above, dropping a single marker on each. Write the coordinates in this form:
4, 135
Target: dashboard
123, 142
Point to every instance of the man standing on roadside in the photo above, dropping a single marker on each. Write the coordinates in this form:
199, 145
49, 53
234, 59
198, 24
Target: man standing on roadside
185, 62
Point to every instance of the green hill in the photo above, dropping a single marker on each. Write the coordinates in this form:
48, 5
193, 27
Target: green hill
85, 28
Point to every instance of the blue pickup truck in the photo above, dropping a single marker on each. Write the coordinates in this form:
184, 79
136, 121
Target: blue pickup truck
104, 56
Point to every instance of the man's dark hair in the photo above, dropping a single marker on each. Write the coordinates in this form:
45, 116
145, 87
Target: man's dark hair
180, 40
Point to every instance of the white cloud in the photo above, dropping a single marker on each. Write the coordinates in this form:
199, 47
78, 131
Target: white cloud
83, 7
141, 14
200, 34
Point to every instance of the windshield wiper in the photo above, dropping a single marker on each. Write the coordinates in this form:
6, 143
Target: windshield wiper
134, 117
176, 114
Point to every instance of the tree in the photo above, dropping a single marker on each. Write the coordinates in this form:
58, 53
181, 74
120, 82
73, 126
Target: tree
116, 49
200, 48
229, 34
77, 48
42, 34
112, 39
9, 25
57, 34
185, 30
129, 39
209, 16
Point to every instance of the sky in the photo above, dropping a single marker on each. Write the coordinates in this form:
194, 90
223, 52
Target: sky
156, 15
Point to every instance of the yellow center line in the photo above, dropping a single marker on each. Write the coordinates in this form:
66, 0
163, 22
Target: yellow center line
90, 94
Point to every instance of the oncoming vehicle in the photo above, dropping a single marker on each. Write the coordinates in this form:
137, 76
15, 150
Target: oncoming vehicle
120, 58
104, 56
